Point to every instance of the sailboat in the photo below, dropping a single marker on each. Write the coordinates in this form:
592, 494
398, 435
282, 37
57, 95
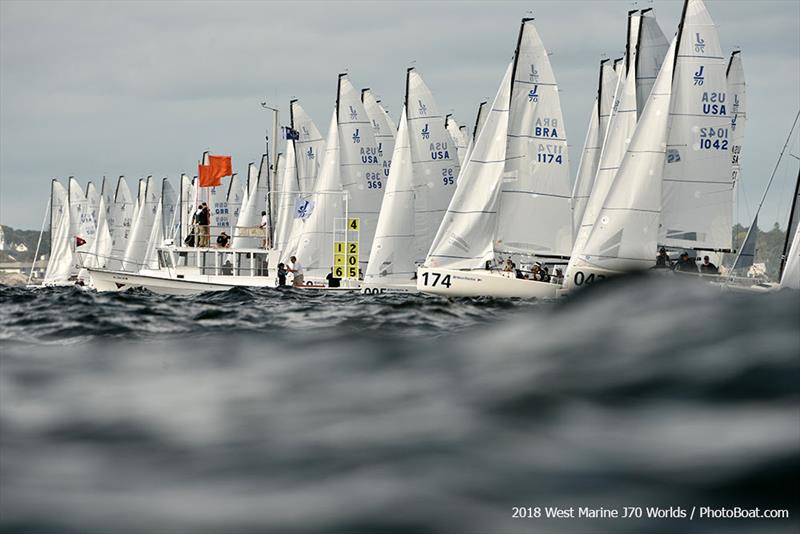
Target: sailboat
60, 263
513, 195
672, 145
418, 192
634, 80
346, 201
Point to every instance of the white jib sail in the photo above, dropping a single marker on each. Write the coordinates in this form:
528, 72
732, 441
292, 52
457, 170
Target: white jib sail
170, 223
188, 205
434, 160
621, 125
391, 260
464, 239
60, 263
698, 190
360, 166
382, 126
625, 235
535, 213
286, 198
587, 169
316, 215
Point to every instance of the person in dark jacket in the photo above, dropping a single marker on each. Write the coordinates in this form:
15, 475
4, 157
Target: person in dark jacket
662, 260
686, 264
282, 272
332, 280
707, 267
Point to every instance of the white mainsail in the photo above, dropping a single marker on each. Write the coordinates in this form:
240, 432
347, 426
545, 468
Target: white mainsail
464, 239
100, 250
309, 148
392, 260
119, 217
318, 210
698, 189
361, 167
458, 135
625, 235
60, 264
136, 248
188, 205
738, 94
434, 160
534, 214
382, 126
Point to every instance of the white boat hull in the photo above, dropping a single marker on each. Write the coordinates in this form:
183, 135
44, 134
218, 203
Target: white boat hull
105, 280
382, 289
481, 283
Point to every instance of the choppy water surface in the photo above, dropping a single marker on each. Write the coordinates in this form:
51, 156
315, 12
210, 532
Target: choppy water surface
252, 411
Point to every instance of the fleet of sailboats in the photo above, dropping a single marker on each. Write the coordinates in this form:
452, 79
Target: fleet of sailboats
425, 205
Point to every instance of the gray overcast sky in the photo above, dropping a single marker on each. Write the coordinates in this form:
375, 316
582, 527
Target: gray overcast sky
136, 88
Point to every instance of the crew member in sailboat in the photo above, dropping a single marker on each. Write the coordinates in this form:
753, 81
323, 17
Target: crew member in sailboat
297, 270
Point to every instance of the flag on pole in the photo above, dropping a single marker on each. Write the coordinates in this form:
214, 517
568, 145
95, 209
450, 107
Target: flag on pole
290, 133
220, 166
204, 175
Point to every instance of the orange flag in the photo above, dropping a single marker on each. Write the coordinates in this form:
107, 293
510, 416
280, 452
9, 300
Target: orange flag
204, 176
220, 166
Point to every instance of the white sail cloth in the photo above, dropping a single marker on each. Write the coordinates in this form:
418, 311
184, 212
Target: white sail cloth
382, 126
624, 236
464, 239
534, 214
698, 190
60, 264
391, 260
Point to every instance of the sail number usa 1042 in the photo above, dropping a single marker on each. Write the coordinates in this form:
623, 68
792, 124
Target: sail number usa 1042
435, 279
